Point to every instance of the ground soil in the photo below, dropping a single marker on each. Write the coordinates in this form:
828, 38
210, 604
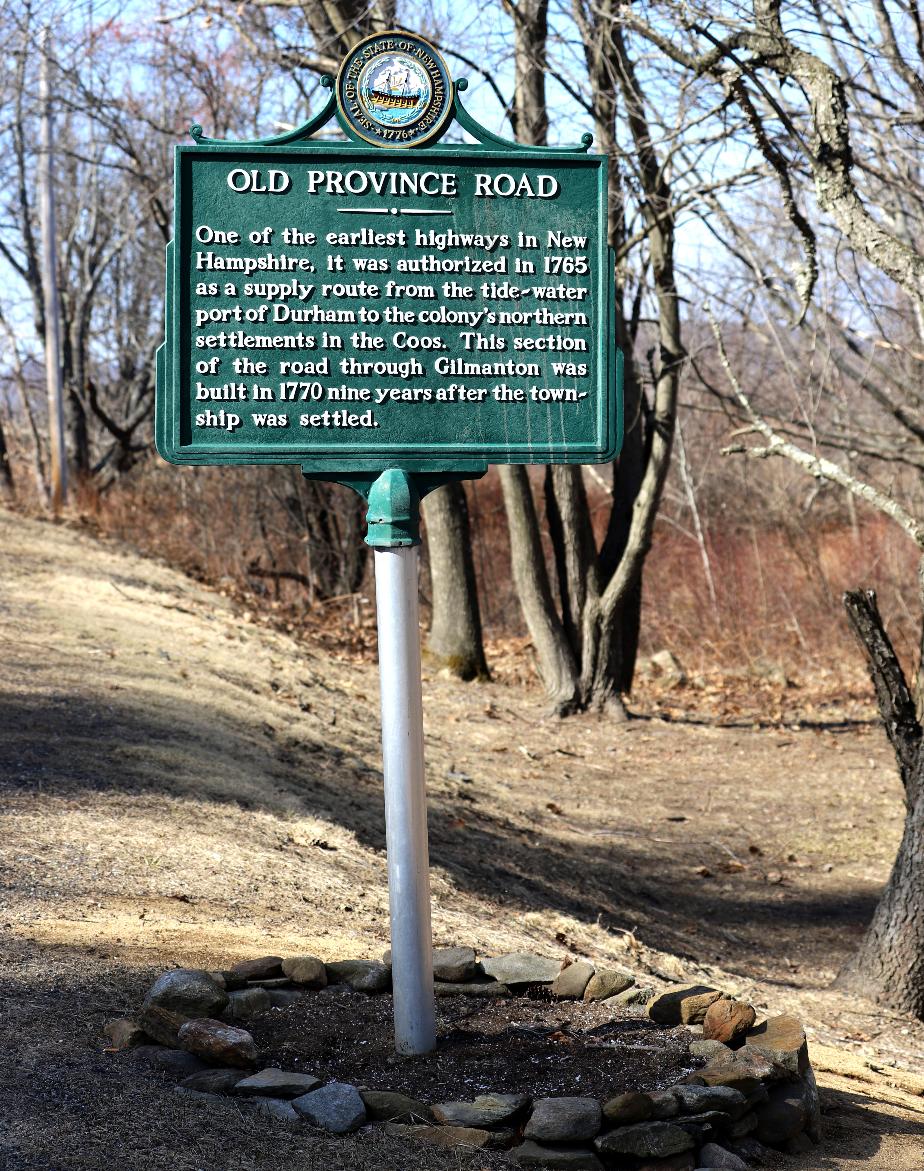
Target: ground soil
529, 1045
183, 785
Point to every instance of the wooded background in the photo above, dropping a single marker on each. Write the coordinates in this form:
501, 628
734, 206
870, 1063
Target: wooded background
766, 208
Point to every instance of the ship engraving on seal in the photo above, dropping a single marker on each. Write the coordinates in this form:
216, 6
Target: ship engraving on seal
394, 90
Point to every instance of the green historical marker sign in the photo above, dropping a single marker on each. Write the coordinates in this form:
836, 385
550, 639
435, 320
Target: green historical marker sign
362, 305
391, 313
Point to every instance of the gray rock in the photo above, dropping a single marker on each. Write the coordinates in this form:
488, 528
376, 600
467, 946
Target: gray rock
218, 1043
276, 1108
571, 982
276, 1083
172, 1062
521, 968
336, 1107
646, 1140
308, 971
213, 1081
711, 1050
607, 982
264, 968
488, 988
181, 995
125, 1033
664, 1104
199, 1096
361, 975
276, 984
712, 1155
564, 1120
782, 1116
487, 1110
532, 1154
812, 1105
247, 1003
452, 964
452, 1136
631, 996
696, 1099
387, 1106
625, 1109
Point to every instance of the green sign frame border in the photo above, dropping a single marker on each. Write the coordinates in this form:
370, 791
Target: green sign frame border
333, 464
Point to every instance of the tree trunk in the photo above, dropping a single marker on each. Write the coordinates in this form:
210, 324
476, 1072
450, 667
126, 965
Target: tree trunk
7, 486
889, 964
557, 666
455, 640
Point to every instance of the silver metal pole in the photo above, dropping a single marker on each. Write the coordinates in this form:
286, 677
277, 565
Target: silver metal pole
405, 799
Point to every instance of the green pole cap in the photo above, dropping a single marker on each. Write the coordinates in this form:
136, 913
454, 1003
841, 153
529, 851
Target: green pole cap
393, 516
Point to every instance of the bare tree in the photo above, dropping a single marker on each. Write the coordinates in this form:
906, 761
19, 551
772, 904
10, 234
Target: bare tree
833, 129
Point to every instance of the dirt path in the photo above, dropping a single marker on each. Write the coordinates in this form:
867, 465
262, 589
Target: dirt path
184, 785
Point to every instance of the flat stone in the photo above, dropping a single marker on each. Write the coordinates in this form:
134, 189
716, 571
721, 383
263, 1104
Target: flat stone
336, 1107
219, 1043
521, 968
571, 982
213, 1081
387, 1106
781, 1039
172, 1062
533, 1154
782, 1116
125, 1033
247, 1003
712, 1155
451, 1136
711, 1050
452, 964
746, 1072
488, 988
361, 975
646, 1140
607, 982
199, 1096
631, 996
487, 1110
308, 971
564, 1120
275, 984
264, 968
664, 1104
812, 1105
666, 1008
728, 1021
276, 1083
284, 997
625, 1109
177, 996
696, 1099
276, 1108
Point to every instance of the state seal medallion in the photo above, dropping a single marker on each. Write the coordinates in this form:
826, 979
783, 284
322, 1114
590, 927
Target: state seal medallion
394, 89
